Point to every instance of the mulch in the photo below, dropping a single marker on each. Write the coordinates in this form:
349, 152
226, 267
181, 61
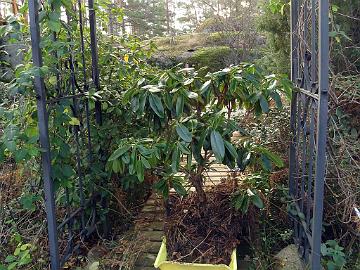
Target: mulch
203, 233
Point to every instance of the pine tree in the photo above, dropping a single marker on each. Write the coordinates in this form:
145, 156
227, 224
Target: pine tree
147, 18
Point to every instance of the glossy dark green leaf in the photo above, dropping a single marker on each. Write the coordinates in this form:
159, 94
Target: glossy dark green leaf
142, 102
238, 201
67, 171
116, 167
145, 163
54, 25
179, 105
119, 152
273, 157
156, 105
140, 170
168, 101
163, 187
183, 148
184, 133
178, 186
264, 104
266, 163
217, 145
257, 201
231, 149
205, 87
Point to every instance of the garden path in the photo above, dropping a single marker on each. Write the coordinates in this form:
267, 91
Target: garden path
149, 224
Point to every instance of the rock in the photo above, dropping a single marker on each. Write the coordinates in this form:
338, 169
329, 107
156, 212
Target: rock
94, 266
96, 253
289, 259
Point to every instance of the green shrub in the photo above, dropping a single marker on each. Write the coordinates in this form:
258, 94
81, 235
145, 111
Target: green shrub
214, 57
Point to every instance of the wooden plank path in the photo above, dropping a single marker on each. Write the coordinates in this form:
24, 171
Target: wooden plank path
149, 227
150, 222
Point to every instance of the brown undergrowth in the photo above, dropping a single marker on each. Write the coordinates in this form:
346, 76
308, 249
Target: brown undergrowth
203, 233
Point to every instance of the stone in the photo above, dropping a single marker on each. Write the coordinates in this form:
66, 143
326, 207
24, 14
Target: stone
289, 259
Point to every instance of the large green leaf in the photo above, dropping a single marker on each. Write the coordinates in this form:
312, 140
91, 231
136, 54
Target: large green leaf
175, 160
231, 149
156, 105
140, 170
184, 133
179, 105
257, 201
145, 163
205, 87
163, 187
264, 104
119, 152
183, 148
177, 185
54, 25
273, 157
266, 163
217, 145
116, 166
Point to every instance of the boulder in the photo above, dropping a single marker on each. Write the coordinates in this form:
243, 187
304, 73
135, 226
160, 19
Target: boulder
289, 259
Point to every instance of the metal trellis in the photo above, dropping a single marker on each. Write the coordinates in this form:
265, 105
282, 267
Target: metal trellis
78, 220
309, 119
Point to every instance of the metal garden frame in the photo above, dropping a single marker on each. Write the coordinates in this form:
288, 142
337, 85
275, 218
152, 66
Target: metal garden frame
309, 109
77, 224
309, 119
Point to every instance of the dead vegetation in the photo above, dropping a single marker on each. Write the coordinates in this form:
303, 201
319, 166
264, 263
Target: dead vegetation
343, 171
206, 233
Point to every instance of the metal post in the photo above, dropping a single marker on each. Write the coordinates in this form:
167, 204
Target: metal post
294, 75
96, 80
293, 109
44, 135
94, 58
321, 132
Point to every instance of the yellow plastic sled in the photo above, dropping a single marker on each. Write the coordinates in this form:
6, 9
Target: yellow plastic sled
162, 263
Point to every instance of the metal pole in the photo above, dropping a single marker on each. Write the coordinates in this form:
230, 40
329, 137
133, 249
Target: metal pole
294, 76
94, 58
321, 132
294, 108
44, 135
96, 79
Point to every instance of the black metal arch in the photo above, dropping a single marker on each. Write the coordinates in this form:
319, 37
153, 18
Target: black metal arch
309, 72
309, 121
78, 222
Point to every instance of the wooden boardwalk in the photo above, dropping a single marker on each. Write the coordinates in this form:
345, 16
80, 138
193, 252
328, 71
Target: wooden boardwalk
149, 225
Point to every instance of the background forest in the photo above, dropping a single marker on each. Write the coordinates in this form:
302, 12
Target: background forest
141, 42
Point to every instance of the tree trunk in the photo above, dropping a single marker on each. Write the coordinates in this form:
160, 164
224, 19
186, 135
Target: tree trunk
15, 7
167, 17
197, 182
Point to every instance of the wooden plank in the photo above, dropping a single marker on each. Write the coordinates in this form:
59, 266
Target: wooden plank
151, 226
153, 247
152, 209
146, 259
155, 236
